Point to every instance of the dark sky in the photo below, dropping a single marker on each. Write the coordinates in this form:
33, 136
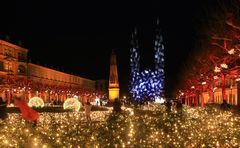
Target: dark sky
78, 36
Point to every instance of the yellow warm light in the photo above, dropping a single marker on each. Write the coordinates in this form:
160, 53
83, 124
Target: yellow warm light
113, 94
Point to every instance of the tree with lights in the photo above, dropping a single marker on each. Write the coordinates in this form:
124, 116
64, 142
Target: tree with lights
217, 61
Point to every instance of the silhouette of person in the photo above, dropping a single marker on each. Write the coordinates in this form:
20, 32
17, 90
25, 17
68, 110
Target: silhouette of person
168, 105
88, 111
97, 103
117, 105
3, 107
225, 106
179, 106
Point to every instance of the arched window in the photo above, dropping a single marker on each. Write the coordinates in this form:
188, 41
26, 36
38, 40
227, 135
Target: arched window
21, 69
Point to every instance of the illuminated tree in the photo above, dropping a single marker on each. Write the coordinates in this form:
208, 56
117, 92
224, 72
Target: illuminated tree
218, 56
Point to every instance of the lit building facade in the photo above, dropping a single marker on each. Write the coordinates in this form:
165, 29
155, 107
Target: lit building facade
17, 74
214, 93
216, 96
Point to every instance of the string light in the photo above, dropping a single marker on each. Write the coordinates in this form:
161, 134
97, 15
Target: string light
224, 65
232, 51
151, 127
217, 69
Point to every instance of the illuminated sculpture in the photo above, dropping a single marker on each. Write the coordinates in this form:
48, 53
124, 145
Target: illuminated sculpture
72, 104
36, 102
147, 84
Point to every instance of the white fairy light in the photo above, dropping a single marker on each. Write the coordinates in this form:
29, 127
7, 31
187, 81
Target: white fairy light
238, 79
217, 69
224, 65
232, 51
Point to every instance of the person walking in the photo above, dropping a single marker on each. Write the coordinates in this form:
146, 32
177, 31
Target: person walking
88, 111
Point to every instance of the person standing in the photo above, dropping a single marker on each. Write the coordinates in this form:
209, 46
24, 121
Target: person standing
225, 106
88, 111
179, 107
117, 106
168, 105
28, 114
3, 108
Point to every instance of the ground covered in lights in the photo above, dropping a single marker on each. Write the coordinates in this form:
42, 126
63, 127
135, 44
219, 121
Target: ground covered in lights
145, 127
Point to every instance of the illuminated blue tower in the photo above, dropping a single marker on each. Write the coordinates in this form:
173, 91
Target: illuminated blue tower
134, 64
146, 85
159, 60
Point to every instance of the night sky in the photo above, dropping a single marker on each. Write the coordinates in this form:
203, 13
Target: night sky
77, 37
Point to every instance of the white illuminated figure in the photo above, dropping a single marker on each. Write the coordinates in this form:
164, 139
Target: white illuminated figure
36, 102
72, 104
159, 100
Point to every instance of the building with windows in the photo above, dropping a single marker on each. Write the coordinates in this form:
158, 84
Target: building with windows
19, 75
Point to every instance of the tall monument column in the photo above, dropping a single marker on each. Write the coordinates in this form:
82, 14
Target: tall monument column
113, 87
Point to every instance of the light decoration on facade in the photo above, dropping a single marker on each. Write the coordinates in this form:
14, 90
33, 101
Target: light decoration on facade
217, 69
148, 84
215, 77
36, 102
224, 65
232, 51
238, 79
72, 104
203, 83
193, 87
